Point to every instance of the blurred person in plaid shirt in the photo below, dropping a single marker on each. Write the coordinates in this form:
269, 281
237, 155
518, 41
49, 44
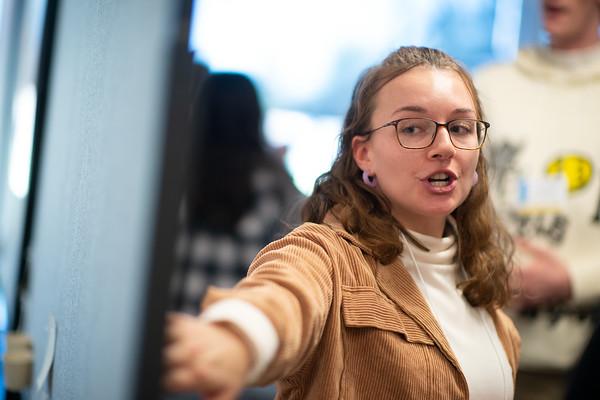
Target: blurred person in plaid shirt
239, 195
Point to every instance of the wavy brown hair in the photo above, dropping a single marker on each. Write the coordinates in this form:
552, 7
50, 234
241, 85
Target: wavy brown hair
484, 246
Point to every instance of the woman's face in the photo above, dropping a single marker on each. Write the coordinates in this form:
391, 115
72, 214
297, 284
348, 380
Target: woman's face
424, 186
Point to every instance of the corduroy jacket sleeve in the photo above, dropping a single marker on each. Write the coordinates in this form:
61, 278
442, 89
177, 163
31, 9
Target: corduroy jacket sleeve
291, 281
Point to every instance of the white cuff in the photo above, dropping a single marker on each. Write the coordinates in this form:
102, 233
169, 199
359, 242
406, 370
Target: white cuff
255, 325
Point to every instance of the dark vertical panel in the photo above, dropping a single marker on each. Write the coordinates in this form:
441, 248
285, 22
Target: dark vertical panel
170, 188
45, 64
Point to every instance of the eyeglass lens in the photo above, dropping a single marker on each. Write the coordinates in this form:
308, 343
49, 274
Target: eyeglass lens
419, 132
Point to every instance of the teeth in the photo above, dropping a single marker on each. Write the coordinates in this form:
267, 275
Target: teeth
439, 176
439, 183
439, 179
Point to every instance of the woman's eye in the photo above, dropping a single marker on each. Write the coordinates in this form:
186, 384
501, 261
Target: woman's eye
461, 129
410, 129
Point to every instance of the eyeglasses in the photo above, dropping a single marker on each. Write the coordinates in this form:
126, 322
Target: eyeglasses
419, 133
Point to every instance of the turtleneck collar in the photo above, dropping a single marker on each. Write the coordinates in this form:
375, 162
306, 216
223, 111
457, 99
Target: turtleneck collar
561, 66
442, 251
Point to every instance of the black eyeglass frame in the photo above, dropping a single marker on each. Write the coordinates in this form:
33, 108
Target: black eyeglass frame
437, 126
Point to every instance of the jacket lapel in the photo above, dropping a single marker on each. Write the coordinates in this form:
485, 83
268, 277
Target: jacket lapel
399, 286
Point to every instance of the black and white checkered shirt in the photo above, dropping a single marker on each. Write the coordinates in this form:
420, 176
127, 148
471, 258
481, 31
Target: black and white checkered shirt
222, 259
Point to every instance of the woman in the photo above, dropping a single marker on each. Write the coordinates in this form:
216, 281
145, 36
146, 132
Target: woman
392, 287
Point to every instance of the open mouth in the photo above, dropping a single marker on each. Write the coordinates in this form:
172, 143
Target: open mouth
441, 179
553, 10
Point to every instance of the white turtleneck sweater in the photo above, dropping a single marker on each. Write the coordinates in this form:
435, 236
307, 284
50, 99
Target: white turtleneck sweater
470, 331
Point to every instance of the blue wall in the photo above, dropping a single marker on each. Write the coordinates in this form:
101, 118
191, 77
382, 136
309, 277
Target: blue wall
99, 175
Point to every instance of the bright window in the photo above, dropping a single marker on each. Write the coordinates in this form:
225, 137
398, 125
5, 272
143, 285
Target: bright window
306, 56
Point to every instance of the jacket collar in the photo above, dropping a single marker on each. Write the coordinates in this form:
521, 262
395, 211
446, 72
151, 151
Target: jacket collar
331, 221
398, 285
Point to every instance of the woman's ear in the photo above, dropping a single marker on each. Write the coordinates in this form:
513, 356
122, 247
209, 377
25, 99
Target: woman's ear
361, 152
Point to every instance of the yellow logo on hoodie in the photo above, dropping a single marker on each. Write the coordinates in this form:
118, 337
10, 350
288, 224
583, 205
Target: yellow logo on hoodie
576, 168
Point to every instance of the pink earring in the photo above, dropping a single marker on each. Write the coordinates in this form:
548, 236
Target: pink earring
369, 180
475, 178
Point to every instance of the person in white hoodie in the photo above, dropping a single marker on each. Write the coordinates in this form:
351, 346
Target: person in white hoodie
544, 110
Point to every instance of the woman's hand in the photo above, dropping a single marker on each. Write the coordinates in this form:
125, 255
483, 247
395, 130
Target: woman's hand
209, 358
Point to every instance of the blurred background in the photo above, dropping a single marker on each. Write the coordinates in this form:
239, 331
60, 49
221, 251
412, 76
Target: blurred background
305, 57
94, 99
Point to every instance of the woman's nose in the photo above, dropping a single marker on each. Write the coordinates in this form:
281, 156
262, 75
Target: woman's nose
442, 146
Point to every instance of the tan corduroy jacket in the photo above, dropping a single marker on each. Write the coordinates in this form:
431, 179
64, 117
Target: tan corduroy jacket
349, 327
